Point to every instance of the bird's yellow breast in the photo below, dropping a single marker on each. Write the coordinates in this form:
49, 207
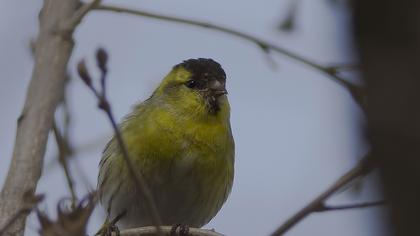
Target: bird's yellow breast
165, 133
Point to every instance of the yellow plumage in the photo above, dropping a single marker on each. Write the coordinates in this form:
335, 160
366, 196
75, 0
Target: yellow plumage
180, 140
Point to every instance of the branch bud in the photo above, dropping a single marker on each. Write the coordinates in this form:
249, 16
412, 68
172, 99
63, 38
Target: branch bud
101, 59
83, 73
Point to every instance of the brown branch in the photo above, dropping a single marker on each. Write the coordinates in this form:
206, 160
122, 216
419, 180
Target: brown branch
362, 168
52, 52
264, 45
63, 154
357, 92
68, 222
324, 208
151, 231
289, 22
104, 105
15, 217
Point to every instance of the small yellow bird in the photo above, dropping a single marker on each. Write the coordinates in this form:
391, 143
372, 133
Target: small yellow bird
180, 140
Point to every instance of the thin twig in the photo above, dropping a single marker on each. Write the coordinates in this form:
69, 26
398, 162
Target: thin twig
104, 105
84, 147
362, 168
264, 45
63, 154
356, 91
350, 206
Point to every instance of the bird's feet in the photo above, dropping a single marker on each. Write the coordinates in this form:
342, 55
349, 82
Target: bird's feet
183, 230
107, 229
110, 227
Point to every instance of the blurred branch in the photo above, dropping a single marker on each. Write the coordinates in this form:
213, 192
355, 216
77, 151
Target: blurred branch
103, 104
263, 45
259, 42
79, 15
64, 152
288, 23
343, 67
85, 147
324, 208
30, 202
52, 52
362, 168
151, 231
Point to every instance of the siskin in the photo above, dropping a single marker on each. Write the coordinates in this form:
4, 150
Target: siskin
180, 140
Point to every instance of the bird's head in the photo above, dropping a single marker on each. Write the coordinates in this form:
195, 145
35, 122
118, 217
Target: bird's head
196, 84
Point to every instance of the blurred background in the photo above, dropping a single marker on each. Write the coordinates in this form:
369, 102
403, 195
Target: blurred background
296, 130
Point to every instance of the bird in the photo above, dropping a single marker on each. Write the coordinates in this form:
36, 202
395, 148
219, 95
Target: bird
180, 140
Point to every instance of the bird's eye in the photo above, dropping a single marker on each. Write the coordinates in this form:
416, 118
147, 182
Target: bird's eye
191, 83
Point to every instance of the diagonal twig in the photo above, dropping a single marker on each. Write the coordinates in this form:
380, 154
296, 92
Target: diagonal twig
357, 92
104, 105
63, 154
362, 168
52, 52
70, 24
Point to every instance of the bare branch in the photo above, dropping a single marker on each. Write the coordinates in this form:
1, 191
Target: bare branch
356, 91
289, 22
63, 154
104, 105
52, 52
69, 222
324, 208
151, 231
264, 45
362, 168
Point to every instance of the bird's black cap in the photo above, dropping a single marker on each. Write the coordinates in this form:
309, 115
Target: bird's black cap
200, 66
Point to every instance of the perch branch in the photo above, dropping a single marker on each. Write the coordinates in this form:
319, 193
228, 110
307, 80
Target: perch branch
362, 168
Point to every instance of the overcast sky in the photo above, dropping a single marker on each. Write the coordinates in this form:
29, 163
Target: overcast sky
295, 130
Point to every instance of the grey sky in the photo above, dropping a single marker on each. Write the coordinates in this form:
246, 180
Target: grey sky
296, 131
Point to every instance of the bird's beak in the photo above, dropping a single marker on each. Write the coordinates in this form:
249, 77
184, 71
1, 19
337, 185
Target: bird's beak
218, 88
